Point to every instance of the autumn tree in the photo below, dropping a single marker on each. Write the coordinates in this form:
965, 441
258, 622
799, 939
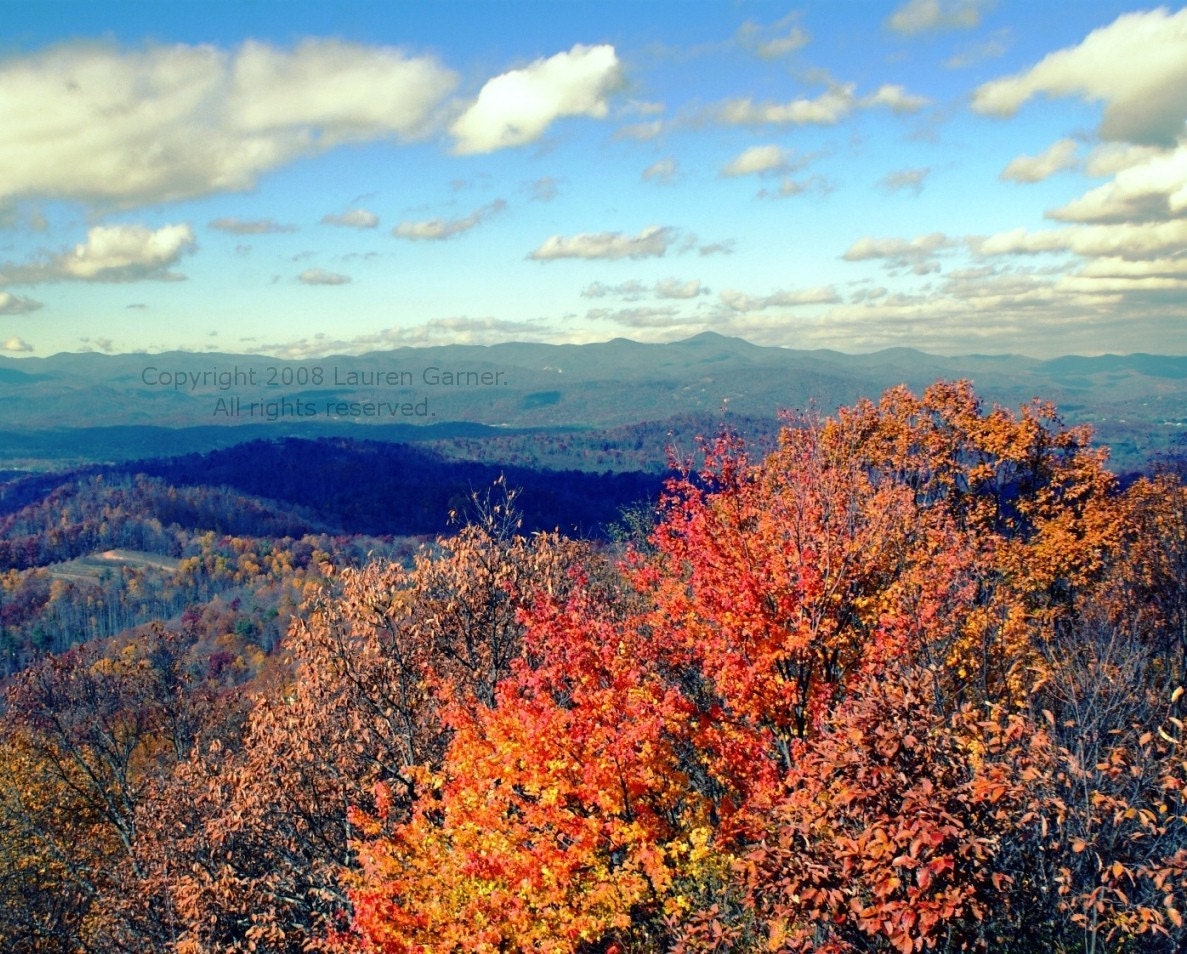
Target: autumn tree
88, 736
647, 746
264, 824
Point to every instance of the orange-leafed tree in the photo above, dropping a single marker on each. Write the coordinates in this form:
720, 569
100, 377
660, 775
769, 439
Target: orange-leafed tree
562, 818
262, 823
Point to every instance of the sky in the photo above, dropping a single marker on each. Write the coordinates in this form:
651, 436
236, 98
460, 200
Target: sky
302, 179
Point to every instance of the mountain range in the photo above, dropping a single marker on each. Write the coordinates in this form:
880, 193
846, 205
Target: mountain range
90, 406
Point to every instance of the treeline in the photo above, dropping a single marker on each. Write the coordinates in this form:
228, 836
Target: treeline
226, 542
137, 512
45, 610
381, 488
913, 680
645, 446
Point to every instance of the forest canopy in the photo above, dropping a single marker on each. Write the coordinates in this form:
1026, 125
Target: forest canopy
913, 680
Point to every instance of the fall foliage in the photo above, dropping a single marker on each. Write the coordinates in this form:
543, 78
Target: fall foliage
913, 680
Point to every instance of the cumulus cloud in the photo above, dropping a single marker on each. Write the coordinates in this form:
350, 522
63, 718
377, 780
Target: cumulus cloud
16, 305
1127, 241
1109, 158
896, 99
917, 254
111, 253
1149, 188
319, 276
516, 107
1136, 66
1058, 156
664, 171
652, 242
91, 122
238, 226
434, 230
351, 219
761, 160
674, 288
922, 16
15, 345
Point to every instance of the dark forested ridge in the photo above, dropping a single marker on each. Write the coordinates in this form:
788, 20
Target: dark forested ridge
364, 487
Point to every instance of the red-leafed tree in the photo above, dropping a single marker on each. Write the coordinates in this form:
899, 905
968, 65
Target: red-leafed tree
757, 685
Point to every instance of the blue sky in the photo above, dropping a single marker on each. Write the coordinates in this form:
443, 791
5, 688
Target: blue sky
303, 179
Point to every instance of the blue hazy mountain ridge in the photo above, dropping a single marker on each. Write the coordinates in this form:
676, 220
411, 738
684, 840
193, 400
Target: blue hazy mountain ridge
1137, 397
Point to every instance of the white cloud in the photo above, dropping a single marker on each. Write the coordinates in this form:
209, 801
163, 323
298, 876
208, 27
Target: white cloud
1109, 158
797, 38
517, 107
1127, 241
642, 132
1136, 66
664, 171
16, 305
989, 49
128, 253
831, 106
319, 276
921, 16
741, 302
341, 92
15, 345
1162, 268
643, 317
827, 109
652, 242
237, 226
774, 41
111, 253
917, 254
789, 186
434, 230
1149, 188
909, 180
760, 160
895, 98
631, 290
352, 219
1055, 158
674, 288
87, 121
